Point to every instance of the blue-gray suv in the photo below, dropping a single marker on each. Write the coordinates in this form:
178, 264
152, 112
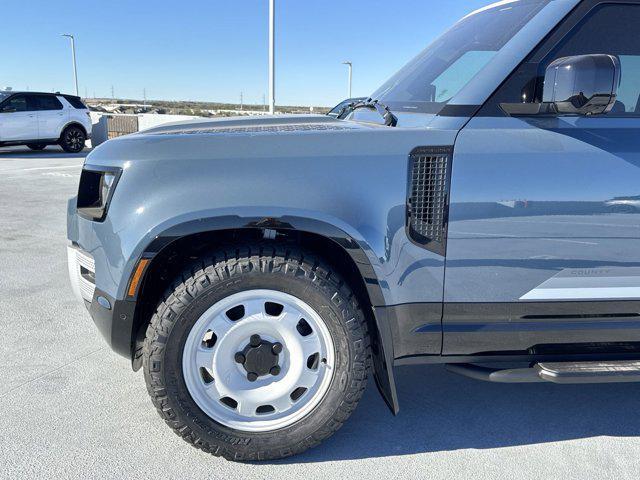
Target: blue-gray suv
477, 210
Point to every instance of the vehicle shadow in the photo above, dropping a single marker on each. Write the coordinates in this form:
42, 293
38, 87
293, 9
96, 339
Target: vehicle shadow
442, 411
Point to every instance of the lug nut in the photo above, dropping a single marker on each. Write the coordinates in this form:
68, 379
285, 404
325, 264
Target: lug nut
240, 358
275, 370
255, 340
252, 377
277, 348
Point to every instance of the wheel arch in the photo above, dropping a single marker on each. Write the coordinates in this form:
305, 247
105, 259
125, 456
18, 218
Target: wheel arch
188, 239
73, 123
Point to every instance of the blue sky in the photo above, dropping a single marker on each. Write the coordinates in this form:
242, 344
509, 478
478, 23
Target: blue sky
213, 49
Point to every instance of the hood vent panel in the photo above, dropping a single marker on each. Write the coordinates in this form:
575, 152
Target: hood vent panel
256, 130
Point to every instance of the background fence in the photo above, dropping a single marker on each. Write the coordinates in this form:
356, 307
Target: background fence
118, 125
107, 125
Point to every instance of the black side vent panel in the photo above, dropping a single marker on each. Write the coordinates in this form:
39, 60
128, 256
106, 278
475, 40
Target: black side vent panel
428, 200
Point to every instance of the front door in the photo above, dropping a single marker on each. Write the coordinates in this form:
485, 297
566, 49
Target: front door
543, 246
18, 119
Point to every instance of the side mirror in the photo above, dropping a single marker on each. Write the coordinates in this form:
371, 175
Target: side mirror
582, 84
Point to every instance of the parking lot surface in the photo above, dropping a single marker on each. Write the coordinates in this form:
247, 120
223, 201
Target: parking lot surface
70, 408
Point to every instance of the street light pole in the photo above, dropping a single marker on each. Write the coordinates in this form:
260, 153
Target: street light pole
272, 56
350, 65
73, 55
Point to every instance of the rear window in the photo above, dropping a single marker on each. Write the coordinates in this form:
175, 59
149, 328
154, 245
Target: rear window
75, 102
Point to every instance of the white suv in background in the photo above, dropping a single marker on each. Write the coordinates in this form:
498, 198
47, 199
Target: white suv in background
41, 119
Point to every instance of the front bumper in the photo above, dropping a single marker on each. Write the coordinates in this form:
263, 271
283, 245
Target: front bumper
82, 273
114, 318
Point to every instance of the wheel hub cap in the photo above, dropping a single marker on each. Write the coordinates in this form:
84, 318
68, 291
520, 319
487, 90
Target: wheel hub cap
259, 358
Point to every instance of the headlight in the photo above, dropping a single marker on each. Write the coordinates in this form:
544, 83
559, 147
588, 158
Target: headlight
96, 189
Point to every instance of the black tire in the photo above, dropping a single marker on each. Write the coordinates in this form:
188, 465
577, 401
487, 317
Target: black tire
36, 146
73, 139
266, 266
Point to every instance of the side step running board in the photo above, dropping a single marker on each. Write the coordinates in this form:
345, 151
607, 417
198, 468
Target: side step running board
556, 372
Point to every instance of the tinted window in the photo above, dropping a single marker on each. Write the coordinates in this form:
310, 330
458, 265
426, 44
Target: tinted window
75, 102
17, 103
47, 102
430, 80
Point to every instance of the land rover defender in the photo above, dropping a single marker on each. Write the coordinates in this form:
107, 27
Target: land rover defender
467, 213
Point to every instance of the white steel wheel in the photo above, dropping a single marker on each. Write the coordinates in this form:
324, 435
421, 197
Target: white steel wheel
258, 360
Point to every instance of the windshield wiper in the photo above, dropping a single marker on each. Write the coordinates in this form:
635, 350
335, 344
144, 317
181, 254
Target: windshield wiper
390, 120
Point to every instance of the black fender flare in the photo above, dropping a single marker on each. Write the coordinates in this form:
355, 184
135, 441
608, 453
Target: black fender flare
382, 340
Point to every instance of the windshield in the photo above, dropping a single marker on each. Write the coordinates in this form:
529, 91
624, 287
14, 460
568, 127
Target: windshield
4, 95
440, 71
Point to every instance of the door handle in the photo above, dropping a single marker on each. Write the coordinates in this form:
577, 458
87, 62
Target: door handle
31, 116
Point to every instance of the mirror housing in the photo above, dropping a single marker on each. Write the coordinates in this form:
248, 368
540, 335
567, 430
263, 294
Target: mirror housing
582, 84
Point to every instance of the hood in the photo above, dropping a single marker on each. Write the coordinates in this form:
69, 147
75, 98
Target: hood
255, 125
276, 124
268, 137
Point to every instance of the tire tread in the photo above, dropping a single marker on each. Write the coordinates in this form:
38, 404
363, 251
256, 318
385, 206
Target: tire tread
225, 265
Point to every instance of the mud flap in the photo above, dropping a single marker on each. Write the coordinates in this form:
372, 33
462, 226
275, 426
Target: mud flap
382, 356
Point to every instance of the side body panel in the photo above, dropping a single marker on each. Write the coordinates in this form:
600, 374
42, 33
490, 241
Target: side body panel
535, 234
50, 123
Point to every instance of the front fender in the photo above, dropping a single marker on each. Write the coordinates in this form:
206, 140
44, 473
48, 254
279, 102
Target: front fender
345, 237
272, 218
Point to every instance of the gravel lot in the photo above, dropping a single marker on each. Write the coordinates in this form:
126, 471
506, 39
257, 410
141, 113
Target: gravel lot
70, 408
